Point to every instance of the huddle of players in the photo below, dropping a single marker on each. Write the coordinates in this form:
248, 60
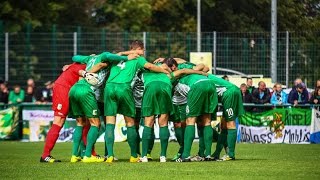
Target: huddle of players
171, 89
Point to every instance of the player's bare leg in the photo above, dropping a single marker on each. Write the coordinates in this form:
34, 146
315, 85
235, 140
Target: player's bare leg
51, 139
77, 134
146, 136
131, 137
109, 136
164, 136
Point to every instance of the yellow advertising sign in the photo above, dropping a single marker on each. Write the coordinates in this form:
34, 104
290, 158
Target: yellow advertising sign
202, 57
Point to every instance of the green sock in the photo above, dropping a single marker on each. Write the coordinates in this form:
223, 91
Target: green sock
138, 139
76, 140
132, 136
82, 149
91, 139
151, 142
109, 138
232, 138
179, 131
188, 139
146, 135
221, 141
215, 135
201, 141
207, 133
164, 137
105, 149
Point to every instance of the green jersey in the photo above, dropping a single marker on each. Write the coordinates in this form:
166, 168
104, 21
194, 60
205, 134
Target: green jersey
124, 72
186, 65
149, 77
192, 79
221, 84
183, 87
102, 74
103, 57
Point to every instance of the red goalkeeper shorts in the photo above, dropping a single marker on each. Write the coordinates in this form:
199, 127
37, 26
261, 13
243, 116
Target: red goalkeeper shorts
60, 100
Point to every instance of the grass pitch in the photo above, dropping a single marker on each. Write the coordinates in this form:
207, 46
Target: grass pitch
20, 160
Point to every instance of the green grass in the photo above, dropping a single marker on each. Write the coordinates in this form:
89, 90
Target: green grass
20, 160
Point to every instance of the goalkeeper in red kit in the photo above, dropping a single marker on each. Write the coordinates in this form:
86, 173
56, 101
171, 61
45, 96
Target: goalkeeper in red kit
60, 106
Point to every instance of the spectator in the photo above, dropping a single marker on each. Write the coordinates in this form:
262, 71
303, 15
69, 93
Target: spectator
30, 82
250, 88
317, 84
44, 94
261, 95
4, 93
299, 95
16, 95
246, 96
294, 89
278, 96
29, 96
315, 98
225, 77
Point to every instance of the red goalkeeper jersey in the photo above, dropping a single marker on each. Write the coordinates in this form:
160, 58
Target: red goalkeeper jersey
69, 77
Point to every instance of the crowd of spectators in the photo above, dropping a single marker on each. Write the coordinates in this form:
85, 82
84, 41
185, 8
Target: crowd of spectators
31, 94
250, 94
276, 96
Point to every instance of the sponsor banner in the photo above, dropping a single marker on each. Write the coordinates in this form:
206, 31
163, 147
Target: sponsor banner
315, 127
9, 124
291, 125
37, 123
263, 134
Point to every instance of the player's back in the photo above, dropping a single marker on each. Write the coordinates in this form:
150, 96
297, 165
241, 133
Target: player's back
124, 72
70, 76
149, 76
191, 79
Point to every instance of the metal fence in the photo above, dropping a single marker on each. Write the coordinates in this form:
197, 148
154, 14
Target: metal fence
40, 54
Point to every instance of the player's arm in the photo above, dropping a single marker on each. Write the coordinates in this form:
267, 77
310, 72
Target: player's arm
91, 77
155, 68
80, 59
201, 67
180, 60
65, 67
126, 53
94, 69
106, 56
181, 72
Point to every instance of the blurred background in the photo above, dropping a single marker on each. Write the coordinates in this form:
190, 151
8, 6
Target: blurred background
38, 37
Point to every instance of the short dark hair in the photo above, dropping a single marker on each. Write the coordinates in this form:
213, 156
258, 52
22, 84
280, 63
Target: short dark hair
261, 82
170, 62
225, 77
243, 85
136, 44
249, 78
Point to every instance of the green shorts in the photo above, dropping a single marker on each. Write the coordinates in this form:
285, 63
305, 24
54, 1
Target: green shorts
232, 104
156, 99
83, 102
118, 99
179, 113
202, 99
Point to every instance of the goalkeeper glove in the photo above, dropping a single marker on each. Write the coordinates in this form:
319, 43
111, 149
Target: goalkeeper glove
91, 78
